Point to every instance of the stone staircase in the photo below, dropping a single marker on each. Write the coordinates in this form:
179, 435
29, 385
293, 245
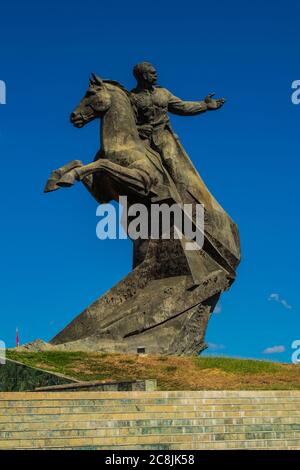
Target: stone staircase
186, 420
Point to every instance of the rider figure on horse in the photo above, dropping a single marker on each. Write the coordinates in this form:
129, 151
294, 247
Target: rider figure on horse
151, 105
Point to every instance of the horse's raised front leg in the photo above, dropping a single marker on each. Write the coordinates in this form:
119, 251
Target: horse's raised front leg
128, 178
56, 175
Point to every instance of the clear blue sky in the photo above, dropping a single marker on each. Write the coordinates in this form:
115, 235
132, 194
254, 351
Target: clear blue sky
52, 264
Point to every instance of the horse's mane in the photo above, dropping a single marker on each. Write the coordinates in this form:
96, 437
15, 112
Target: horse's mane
117, 84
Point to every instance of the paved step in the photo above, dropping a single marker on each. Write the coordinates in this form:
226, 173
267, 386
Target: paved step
152, 420
278, 444
132, 441
277, 430
49, 401
149, 408
117, 405
209, 394
217, 424
77, 417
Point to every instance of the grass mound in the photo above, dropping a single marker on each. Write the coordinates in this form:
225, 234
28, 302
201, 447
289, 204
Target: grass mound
172, 373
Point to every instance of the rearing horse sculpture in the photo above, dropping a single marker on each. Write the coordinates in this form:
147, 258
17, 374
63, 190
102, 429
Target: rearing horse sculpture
166, 301
123, 158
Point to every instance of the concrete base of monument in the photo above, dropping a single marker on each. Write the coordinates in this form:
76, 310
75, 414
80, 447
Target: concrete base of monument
161, 307
166, 316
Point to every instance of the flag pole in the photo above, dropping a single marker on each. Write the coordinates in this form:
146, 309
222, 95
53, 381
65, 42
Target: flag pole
17, 338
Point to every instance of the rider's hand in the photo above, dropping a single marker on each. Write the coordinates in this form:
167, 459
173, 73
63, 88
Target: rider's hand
213, 104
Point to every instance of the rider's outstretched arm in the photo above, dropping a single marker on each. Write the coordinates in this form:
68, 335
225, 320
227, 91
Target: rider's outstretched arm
185, 108
190, 108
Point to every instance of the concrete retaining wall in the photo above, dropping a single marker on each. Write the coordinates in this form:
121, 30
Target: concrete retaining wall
151, 420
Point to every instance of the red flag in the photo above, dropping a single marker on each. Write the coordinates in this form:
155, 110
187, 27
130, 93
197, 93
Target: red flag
17, 338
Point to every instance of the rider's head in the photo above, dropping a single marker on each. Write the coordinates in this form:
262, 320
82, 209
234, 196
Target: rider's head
145, 73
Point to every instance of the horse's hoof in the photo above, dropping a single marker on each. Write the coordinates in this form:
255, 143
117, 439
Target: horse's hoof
56, 176
51, 185
66, 181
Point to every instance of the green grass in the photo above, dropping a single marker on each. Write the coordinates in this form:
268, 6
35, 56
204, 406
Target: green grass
237, 366
56, 361
172, 373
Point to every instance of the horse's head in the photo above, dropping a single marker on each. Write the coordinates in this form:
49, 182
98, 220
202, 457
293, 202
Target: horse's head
93, 105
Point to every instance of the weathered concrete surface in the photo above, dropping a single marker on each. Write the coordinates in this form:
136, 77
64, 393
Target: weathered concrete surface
164, 315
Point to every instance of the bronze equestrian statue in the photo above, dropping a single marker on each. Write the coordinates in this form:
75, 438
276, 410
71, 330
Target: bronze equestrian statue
164, 304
